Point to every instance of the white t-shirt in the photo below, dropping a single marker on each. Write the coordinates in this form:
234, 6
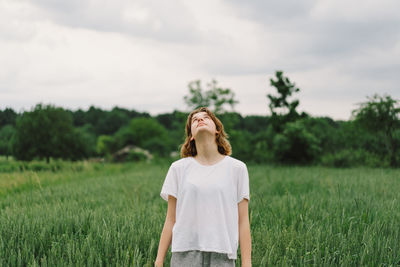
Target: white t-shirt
207, 204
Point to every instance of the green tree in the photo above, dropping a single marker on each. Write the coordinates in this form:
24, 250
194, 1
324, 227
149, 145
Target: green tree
105, 122
94, 117
241, 142
255, 123
175, 123
282, 109
262, 145
79, 117
47, 132
146, 133
7, 116
88, 141
111, 122
214, 98
326, 130
231, 121
380, 115
106, 145
6, 133
296, 144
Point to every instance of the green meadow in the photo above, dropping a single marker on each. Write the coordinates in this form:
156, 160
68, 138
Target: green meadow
95, 214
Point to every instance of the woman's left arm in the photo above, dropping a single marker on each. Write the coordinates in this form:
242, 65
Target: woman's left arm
244, 233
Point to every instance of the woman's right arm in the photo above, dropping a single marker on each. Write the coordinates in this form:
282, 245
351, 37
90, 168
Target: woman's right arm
166, 235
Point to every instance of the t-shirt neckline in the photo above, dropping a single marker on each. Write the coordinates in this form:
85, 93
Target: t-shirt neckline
215, 164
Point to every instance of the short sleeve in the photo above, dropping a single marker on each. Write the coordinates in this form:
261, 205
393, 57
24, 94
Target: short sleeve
243, 190
170, 186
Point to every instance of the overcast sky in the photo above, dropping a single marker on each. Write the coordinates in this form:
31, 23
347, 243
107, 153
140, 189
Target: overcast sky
142, 54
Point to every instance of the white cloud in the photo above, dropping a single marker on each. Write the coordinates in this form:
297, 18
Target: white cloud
17, 21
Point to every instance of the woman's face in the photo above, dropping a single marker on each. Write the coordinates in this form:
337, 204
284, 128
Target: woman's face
201, 121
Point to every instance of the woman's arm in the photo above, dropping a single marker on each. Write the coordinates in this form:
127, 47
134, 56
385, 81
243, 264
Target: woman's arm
166, 235
244, 233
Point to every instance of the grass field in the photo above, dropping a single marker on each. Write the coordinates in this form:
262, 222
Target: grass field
112, 215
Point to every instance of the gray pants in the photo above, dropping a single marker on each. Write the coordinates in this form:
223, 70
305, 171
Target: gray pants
196, 258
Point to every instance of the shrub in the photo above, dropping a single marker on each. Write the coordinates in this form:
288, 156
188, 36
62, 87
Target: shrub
136, 156
349, 158
296, 144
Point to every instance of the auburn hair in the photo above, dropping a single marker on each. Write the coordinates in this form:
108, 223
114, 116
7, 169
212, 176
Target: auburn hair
188, 148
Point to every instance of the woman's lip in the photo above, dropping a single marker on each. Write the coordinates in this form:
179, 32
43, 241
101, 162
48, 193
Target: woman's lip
201, 124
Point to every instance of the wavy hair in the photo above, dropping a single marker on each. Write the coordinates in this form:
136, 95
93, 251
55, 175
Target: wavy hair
188, 148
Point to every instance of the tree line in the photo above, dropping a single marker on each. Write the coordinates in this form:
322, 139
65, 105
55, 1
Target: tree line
371, 137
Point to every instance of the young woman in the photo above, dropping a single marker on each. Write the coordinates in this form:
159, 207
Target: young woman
208, 193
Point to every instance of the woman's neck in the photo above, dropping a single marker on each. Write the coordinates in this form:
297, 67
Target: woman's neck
207, 151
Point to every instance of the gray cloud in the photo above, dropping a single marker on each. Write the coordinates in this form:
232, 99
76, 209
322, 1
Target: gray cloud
276, 13
165, 21
141, 54
308, 36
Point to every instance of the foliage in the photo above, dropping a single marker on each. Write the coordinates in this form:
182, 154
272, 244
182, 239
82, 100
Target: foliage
255, 123
349, 158
325, 130
281, 108
296, 144
146, 133
86, 141
160, 146
7, 116
214, 98
106, 145
381, 115
6, 133
105, 122
136, 156
123, 137
241, 145
262, 145
94, 116
231, 121
111, 122
371, 137
175, 123
46, 132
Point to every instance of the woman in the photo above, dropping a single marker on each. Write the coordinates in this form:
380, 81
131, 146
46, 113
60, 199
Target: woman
207, 193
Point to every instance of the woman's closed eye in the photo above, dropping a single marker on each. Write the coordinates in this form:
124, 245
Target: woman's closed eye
196, 119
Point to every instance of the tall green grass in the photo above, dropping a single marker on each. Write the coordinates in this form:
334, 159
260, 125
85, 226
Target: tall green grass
113, 216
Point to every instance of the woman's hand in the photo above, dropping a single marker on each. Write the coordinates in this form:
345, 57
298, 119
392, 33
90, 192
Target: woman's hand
158, 263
